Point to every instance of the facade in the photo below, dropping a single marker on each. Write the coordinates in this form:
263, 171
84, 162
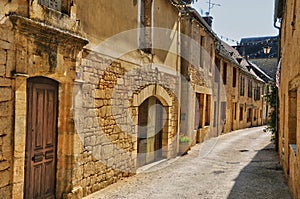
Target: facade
91, 92
244, 106
288, 129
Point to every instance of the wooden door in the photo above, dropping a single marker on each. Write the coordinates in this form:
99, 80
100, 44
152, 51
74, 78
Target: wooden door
158, 131
41, 138
142, 134
144, 139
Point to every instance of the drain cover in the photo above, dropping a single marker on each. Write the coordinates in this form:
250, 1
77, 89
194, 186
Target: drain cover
244, 150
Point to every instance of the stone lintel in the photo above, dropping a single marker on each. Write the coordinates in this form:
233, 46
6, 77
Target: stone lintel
46, 33
202, 89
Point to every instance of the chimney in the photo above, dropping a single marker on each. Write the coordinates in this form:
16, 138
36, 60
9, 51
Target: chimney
208, 20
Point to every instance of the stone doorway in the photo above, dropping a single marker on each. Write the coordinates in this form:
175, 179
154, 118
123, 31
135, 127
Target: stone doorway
150, 131
41, 138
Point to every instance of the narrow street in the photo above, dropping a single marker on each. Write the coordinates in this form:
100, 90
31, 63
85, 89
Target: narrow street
241, 164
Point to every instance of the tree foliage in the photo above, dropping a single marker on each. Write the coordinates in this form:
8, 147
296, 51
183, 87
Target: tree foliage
272, 100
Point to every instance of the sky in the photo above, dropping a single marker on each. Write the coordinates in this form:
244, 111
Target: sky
236, 19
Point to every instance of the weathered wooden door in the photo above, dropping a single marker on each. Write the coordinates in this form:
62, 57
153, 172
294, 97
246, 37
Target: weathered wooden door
142, 134
158, 131
41, 138
150, 137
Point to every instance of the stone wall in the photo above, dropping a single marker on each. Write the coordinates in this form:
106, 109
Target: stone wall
289, 106
106, 118
6, 108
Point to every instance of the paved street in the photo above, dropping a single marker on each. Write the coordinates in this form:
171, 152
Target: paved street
241, 164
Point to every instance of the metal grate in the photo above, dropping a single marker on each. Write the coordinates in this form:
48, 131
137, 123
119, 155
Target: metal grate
53, 4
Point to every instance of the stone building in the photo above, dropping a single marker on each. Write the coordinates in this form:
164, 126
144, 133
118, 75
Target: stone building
218, 79
288, 13
244, 105
90, 92
197, 68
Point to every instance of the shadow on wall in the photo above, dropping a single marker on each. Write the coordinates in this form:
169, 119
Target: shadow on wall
261, 178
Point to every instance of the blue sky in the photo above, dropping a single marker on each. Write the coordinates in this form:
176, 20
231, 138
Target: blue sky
236, 19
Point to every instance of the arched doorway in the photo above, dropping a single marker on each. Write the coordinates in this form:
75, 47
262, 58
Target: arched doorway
41, 138
151, 135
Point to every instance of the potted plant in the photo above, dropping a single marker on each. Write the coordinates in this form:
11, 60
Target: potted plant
184, 143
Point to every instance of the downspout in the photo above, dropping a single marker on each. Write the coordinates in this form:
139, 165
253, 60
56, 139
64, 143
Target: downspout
178, 69
218, 98
218, 106
277, 97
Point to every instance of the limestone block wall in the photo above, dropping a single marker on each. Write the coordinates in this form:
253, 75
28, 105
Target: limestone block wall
23, 56
106, 117
289, 87
6, 108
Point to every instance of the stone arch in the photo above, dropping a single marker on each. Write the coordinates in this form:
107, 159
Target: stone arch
153, 90
152, 106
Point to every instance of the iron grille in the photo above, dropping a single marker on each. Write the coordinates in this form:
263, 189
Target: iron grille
53, 4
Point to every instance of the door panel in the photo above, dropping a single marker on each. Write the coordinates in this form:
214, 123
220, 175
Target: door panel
158, 131
150, 136
41, 138
142, 134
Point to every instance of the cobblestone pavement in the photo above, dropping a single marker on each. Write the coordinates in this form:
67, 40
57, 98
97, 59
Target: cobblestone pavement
241, 164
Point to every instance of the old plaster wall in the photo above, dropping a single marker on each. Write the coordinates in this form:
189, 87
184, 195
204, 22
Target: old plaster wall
97, 14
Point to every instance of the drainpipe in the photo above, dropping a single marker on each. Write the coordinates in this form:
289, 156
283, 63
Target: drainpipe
178, 69
277, 98
218, 107
218, 100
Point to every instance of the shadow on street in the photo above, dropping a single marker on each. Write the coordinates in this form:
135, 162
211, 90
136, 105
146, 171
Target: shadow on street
261, 178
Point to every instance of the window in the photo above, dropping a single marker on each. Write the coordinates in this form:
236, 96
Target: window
234, 114
211, 57
241, 113
257, 93
199, 106
242, 85
217, 69
145, 37
223, 112
255, 115
207, 110
294, 17
249, 88
224, 73
215, 114
202, 46
234, 77
292, 117
249, 115
58, 5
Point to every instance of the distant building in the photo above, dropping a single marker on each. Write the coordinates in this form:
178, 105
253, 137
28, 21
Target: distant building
262, 51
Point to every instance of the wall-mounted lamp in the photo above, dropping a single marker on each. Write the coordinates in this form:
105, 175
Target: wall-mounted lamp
267, 49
